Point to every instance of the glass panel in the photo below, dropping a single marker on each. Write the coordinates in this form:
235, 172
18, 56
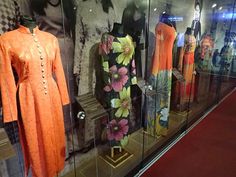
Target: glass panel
108, 64
45, 134
200, 75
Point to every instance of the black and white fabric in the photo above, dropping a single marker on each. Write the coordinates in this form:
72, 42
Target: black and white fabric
9, 15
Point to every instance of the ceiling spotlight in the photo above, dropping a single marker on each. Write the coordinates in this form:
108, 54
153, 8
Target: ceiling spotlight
164, 12
214, 5
155, 9
220, 8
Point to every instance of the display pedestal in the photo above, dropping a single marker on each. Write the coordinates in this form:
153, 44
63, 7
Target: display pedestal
116, 156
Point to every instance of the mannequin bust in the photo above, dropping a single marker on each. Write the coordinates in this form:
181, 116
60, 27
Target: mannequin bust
28, 22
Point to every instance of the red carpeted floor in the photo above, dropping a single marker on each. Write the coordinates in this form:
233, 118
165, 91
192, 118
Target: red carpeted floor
208, 150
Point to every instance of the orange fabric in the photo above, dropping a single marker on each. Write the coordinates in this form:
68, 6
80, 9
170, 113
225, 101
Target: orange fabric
162, 58
185, 90
40, 117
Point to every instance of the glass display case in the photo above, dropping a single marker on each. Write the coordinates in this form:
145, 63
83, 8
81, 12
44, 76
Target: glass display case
139, 73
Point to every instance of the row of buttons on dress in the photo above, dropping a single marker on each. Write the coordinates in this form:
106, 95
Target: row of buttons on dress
42, 64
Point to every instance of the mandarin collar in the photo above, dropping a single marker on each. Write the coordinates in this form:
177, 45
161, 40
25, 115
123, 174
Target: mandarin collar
26, 30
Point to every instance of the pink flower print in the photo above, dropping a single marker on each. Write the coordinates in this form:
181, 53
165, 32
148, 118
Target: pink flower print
133, 67
106, 46
117, 130
118, 79
108, 88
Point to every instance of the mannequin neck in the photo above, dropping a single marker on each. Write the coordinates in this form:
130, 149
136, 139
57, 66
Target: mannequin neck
118, 30
28, 22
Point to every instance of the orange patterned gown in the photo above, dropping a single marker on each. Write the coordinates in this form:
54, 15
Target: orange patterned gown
160, 80
36, 59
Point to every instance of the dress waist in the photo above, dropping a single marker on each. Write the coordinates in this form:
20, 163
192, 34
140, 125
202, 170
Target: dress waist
34, 78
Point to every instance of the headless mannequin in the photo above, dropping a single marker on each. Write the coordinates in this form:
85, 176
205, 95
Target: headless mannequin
28, 22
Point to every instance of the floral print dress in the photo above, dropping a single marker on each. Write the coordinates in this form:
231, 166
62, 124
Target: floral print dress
203, 63
119, 74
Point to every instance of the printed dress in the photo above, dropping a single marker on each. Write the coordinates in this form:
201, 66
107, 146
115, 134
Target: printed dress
158, 104
203, 63
119, 74
185, 90
36, 101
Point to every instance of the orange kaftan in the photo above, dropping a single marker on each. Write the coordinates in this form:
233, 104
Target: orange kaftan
36, 59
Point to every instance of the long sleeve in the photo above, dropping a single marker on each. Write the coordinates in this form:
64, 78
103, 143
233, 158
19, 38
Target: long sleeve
60, 76
7, 85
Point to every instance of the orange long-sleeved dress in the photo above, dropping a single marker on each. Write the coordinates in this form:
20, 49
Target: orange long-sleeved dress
36, 101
